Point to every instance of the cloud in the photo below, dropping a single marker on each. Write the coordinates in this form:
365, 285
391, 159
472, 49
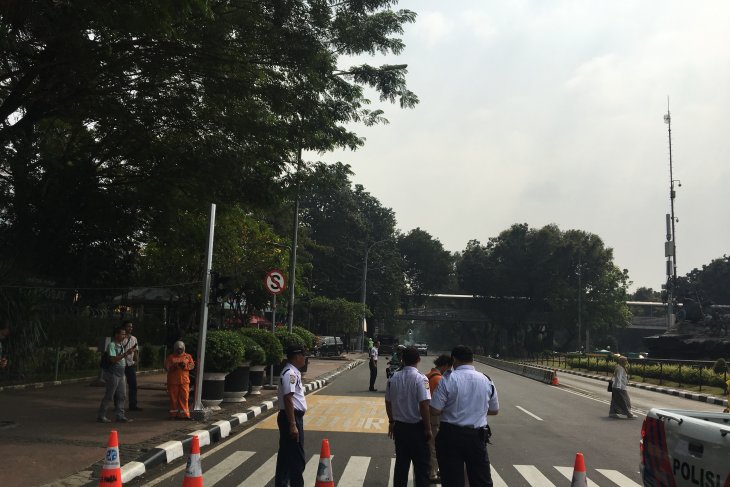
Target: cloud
433, 28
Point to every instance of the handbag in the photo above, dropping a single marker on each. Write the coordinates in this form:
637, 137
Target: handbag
610, 386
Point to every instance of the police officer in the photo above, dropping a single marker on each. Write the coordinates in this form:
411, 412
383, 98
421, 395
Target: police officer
406, 401
464, 398
373, 363
292, 406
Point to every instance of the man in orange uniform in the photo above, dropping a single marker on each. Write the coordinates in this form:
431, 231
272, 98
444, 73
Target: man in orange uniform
441, 365
178, 365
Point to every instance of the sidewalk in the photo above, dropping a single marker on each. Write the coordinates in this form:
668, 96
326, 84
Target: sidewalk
51, 433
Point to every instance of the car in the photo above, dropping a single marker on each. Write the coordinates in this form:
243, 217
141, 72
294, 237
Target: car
329, 346
388, 343
422, 348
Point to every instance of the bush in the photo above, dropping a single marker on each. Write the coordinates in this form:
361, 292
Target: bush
306, 335
720, 366
223, 350
252, 351
86, 358
287, 338
268, 341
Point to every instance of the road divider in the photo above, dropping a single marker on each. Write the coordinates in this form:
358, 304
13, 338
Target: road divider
546, 376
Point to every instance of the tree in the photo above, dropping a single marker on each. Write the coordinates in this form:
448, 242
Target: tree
338, 315
426, 265
114, 115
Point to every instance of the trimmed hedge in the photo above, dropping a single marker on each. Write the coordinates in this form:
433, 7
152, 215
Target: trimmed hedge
253, 351
223, 350
306, 335
268, 341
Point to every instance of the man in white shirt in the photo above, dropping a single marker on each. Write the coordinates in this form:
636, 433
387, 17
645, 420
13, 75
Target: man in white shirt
130, 371
464, 398
373, 362
292, 405
406, 402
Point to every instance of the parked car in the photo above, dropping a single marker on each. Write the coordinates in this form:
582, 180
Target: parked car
329, 346
422, 348
387, 344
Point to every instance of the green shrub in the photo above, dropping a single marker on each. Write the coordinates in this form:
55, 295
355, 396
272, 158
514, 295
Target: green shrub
86, 358
287, 338
252, 351
268, 341
720, 366
223, 350
306, 335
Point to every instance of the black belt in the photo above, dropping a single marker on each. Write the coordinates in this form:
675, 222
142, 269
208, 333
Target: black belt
465, 428
296, 412
418, 423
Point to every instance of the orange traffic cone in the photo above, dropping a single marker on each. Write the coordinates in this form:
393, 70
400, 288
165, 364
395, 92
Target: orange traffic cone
111, 472
579, 472
324, 470
193, 471
555, 377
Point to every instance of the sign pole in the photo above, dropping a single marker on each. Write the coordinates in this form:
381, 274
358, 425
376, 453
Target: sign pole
200, 366
273, 330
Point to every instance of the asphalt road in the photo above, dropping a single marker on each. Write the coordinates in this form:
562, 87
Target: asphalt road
536, 435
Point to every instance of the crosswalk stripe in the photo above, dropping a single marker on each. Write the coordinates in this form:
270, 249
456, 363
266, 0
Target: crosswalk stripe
355, 471
411, 482
568, 474
533, 476
618, 478
310, 470
496, 479
220, 470
262, 475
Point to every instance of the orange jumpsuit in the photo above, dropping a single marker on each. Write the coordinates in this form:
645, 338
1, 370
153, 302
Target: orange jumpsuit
178, 383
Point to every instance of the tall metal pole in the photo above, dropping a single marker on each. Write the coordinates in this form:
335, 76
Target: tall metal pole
204, 312
363, 291
293, 253
580, 293
273, 330
671, 250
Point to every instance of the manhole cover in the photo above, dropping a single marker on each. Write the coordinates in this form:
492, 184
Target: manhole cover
5, 425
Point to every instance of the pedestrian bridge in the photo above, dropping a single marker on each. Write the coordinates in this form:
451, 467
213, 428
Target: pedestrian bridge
466, 309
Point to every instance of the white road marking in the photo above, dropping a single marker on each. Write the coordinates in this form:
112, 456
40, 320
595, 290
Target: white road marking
310, 470
392, 470
355, 471
618, 478
220, 470
262, 475
533, 476
529, 413
496, 479
568, 474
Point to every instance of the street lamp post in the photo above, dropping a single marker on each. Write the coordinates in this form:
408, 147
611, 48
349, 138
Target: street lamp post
363, 291
670, 250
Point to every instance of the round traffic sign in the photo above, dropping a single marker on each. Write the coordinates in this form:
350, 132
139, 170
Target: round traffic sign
275, 281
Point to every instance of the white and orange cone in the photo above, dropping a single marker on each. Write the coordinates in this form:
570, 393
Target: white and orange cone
579, 472
555, 378
194, 471
111, 472
324, 469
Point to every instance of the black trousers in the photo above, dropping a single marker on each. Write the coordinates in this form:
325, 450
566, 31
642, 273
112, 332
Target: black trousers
456, 446
373, 375
290, 461
131, 374
410, 446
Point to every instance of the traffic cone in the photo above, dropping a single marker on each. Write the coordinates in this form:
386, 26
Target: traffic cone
111, 472
324, 470
193, 471
555, 377
579, 472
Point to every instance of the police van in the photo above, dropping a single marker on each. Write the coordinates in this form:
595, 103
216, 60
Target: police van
685, 448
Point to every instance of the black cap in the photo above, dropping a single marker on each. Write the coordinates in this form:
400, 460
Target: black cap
293, 350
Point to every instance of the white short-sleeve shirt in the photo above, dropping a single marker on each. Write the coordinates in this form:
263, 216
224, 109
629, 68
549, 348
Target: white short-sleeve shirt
374, 354
290, 381
464, 397
129, 342
405, 390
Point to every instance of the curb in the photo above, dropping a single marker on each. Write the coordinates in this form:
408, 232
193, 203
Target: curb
172, 450
694, 396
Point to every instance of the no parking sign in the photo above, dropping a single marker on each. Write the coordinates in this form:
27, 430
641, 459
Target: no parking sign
275, 282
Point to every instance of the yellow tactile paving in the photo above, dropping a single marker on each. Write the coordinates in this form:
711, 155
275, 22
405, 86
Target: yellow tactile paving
341, 414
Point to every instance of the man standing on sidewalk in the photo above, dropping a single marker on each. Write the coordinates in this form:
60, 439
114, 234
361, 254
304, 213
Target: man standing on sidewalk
292, 405
130, 371
373, 362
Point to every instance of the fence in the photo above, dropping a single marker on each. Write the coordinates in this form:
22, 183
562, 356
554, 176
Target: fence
698, 373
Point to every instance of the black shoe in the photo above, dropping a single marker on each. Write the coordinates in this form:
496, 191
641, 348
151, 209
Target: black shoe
103, 420
124, 419
135, 408
373, 390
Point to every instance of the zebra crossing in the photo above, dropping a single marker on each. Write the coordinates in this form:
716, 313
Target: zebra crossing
357, 473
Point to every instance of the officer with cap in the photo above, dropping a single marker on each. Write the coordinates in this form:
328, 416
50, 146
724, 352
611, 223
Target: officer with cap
464, 398
292, 406
406, 403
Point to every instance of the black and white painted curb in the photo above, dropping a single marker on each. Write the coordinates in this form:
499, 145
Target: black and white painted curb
172, 450
694, 396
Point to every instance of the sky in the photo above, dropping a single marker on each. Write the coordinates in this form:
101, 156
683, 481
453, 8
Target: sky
544, 112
